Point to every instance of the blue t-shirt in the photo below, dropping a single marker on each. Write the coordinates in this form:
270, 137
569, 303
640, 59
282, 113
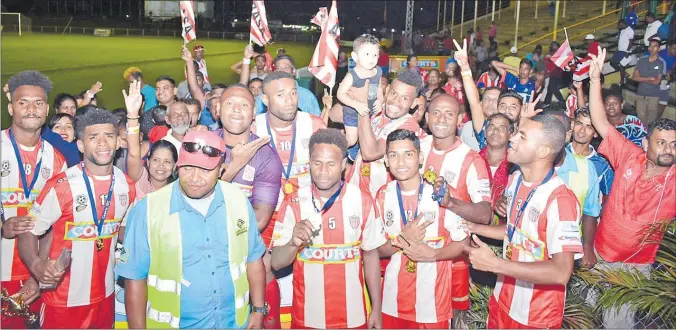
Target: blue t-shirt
307, 102
207, 293
513, 83
669, 60
149, 97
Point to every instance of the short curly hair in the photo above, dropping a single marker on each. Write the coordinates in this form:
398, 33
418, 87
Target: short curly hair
662, 124
329, 136
411, 78
95, 116
29, 78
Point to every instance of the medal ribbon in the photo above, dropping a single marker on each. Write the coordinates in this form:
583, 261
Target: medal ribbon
512, 228
106, 206
329, 202
402, 212
27, 189
287, 172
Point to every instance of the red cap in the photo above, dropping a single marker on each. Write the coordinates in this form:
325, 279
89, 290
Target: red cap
198, 48
199, 159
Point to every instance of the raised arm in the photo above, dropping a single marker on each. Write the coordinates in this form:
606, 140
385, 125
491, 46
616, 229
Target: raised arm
86, 98
596, 108
245, 72
133, 102
502, 68
580, 94
195, 90
471, 91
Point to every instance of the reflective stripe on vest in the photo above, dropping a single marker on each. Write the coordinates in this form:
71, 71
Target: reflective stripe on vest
166, 258
163, 317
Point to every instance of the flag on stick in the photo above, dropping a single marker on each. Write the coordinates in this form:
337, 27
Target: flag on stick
563, 55
259, 32
188, 21
581, 70
325, 59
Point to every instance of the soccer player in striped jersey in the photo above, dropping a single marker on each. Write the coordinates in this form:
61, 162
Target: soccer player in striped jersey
450, 162
542, 235
328, 229
27, 163
369, 170
83, 207
417, 283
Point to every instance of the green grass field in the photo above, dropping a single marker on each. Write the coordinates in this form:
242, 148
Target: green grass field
75, 62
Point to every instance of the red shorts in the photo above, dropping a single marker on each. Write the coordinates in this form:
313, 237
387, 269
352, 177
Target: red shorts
460, 285
295, 325
268, 231
95, 316
17, 322
498, 319
273, 299
391, 322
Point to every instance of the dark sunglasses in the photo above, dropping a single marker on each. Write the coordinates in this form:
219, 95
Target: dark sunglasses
193, 147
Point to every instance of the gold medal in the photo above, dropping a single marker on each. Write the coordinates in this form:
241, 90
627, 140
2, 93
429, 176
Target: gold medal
99, 244
430, 176
508, 252
288, 188
411, 266
366, 170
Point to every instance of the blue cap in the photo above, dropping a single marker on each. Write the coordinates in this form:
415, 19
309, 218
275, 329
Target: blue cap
451, 60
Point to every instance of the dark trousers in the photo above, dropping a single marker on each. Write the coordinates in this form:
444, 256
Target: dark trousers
554, 89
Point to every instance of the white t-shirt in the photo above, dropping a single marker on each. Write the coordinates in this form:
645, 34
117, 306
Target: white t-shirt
625, 35
173, 141
467, 136
200, 205
650, 31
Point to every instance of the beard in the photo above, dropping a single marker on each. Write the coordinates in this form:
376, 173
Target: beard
180, 129
665, 160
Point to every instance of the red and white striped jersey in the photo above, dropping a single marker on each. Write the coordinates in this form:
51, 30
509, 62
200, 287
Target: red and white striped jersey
328, 281
420, 291
549, 225
465, 172
64, 206
373, 175
14, 202
282, 138
462, 168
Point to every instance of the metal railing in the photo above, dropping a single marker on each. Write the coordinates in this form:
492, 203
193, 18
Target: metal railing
585, 31
287, 37
468, 17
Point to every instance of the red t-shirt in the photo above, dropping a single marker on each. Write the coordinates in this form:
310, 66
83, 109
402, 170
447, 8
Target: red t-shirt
634, 204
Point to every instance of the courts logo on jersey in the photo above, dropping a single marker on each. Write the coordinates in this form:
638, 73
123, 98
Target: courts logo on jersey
389, 216
533, 214
5, 168
46, 173
15, 197
123, 198
354, 221
86, 231
80, 202
330, 254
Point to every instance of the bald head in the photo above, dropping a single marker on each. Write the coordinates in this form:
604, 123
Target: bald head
445, 99
443, 116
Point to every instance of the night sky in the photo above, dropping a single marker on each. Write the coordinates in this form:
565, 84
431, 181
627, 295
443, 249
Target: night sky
355, 16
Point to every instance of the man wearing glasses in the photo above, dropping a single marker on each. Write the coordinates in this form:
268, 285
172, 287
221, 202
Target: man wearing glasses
192, 253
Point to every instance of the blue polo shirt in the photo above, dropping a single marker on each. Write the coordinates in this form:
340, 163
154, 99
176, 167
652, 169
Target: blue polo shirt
207, 294
307, 102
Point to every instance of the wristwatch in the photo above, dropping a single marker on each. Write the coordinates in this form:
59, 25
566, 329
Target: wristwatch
263, 310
